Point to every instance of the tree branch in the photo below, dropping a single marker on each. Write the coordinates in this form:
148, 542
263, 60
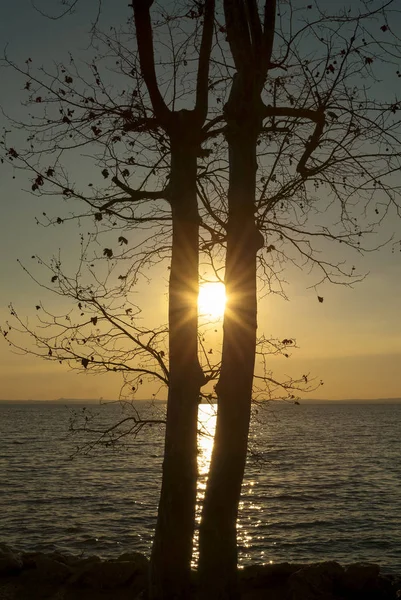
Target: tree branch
202, 84
143, 27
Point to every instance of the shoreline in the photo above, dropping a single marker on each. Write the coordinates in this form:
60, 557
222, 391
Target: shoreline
55, 576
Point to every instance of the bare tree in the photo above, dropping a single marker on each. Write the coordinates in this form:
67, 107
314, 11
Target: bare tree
318, 124
168, 141
298, 119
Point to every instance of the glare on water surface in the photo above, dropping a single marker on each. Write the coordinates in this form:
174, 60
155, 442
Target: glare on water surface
206, 428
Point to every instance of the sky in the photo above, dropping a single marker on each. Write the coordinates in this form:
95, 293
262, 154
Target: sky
351, 341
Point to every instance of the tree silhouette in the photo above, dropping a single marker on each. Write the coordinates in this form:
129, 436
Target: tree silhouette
311, 126
292, 145
163, 144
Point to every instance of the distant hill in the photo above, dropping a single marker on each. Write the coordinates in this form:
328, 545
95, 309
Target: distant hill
104, 400
352, 401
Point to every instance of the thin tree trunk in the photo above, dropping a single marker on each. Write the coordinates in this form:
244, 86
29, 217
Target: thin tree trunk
172, 547
217, 539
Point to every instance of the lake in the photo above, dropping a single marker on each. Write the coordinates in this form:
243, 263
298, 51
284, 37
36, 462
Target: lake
323, 482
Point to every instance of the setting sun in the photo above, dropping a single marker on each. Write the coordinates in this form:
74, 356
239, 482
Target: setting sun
212, 300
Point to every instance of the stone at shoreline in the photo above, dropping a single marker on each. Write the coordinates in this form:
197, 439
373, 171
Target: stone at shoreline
315, 581
318, 581
53, 576
129, 569
10, 563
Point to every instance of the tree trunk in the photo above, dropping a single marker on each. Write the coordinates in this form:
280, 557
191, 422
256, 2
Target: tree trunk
217, 539
172, 547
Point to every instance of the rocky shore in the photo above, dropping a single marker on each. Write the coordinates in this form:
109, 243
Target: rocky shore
39, 576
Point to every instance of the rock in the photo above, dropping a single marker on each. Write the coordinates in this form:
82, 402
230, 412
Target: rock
10, 561
135, 557
360, 576
107, 575
50, 570
315, 582
363, 581
259, 576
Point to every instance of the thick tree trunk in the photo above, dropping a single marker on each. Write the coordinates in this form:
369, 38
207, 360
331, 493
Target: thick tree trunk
217, 539
172, 547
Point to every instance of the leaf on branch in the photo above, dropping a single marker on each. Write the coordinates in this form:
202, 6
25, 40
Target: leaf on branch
108, 252
320, 298
50, 353
98, 216
122, 240
384, 28
37, 307
105, 173
49, 172
59, 221
28, 85
38, 99
38, 182
94, 320
96, 130
368, 60
54, 278
68, 79
85, 363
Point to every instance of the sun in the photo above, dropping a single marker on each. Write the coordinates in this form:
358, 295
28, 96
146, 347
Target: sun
212, 300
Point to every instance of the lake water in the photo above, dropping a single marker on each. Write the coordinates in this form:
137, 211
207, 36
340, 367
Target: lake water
323, 482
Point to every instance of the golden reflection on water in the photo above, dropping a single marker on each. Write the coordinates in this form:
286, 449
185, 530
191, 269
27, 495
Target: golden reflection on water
206, 429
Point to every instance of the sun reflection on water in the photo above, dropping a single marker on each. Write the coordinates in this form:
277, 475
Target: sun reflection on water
206, 429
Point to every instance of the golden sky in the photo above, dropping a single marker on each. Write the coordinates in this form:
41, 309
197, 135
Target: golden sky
352, 341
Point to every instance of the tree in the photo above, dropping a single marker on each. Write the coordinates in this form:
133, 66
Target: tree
172, 546
289, 134
103, 118
332, 136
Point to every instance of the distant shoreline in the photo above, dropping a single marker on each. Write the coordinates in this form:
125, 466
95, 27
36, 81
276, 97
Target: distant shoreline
72, 401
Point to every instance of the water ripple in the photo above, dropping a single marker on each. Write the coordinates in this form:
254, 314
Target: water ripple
322, 483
